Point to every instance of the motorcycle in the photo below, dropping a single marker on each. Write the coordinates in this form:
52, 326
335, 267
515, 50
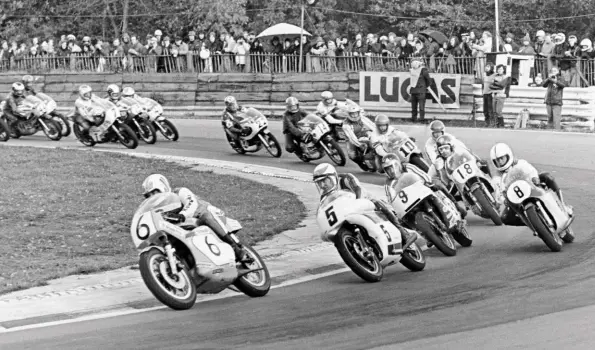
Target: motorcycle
133, 115
177, 262
155, 112
472, 185
37, 119
366, 158
60, 119
4, 131
259, 136
406, 149
411, 200
320, 141
109, 126
366, 240
335, 123
540, 209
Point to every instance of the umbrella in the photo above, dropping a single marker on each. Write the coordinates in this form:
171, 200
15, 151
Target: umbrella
282, 30
439, 37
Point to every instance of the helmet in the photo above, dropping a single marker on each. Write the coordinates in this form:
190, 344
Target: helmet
438, 128
18, 89
325, 178
113, 91
27, 79
586, 44
327, 97
501, 156
231, 103
392, 166
85, 92
540, 33
353, 112
381, 122
155, 182
128, 92
292, 104
445, 146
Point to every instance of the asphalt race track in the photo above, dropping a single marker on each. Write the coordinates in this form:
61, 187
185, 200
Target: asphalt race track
507, 275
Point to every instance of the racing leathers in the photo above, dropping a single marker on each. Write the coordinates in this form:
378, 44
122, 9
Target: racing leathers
29, 90
293, 135
350, 183
380, 143
231, 124
207, 215
327, 113
11, 111
509, 216
364, 127
85, 112
432, 152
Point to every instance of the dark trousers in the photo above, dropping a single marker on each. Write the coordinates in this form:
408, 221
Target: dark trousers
418, 99
292, 144
488, 109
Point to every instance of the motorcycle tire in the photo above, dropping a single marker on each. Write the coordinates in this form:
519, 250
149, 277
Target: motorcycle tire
276, 146
373, 274
413, 258
552, 241
55, 130
64, 125
4, 131
341, 160
168, 130
442, 240
129, 139
486, 206
78, 133
155, 284
250, 288
147, 132
234, 146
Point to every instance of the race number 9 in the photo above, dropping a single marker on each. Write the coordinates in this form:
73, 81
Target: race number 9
403, 197
330, 216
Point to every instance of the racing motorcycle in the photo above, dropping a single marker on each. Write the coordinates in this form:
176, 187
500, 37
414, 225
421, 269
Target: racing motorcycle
37, 119
50, 106
472, 185
412, 201
133, 115
406, 149
109, 126
320, 141
366, 240
335, 123
178, 261
540, 209
155, 112
258, 137
366, 158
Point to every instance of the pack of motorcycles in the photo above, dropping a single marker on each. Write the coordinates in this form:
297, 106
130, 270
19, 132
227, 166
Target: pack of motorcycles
177, 262
131, 119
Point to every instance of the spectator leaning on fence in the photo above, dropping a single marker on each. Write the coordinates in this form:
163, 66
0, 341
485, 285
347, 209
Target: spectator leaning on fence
500, 87
555, 85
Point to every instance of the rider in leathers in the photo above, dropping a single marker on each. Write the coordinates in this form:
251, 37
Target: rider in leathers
84, 107
13, 101
328, 181
356, 126
231, 120
327, 107
504, 161
193, 207
293, 135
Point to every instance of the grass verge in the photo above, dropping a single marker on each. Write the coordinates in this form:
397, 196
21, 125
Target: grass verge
68, 212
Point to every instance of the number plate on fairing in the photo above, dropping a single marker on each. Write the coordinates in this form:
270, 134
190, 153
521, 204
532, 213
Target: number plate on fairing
464, 172
518, 191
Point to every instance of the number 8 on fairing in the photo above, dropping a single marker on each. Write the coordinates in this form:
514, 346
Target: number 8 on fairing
330, 216
518, 191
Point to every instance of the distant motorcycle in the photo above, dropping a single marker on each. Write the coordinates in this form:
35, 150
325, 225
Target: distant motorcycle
320, 142
37, 119
155, 112
134, 117
259, 135
60, 119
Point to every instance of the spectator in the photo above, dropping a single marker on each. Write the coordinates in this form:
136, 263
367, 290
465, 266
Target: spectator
419, 84
483, 47
228, 46
241, 51
555, 85
137, 51
405, 50
587, 52
420, 50
317, 50
509, 44
257, 58
276, 46
540, 38
501, 88
488, 101
526, 49
193, 43
547, 51
433, 47
570, 58
331, 52
158, 34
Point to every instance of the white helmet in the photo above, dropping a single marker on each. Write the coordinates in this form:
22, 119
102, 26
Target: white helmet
353, 112
128, 92
113, 89
85, 92
586, 45
327, 97
325, 178
155, 182
501, 156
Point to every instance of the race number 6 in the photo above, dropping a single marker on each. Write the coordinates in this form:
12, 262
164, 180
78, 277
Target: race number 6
330, 216
212, 247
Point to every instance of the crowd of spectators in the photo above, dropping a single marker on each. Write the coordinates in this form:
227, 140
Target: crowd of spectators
222, 52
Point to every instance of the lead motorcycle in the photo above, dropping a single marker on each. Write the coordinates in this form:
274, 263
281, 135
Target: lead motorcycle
259, 135
472, 185
177, 262
109, 126
36, 120
133, 115
540, 209
366, 240
412, 201
320, 142
50, 106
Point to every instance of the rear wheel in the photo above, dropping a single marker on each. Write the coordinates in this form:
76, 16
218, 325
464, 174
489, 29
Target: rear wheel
361, 260
53, 131
413, 258
335, 152
147, 132
127, 137
258, 283
553, 241
426, 225
487, 206
4, 131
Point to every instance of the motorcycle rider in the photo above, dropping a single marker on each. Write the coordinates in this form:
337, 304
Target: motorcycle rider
328, 181
84, 107
327, 107
193, 207
504, 161
13, 101
231, 120
293, 135
356, 126
113, 93
27, 81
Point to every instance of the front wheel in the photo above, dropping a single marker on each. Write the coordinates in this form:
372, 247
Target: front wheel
413, 258
429, 229
84, 139
127, 137
361, 260
553, 241
53, 130
147, 132
335, 152
65, 129
168, 129
4, 131
258, 283
272, 145
487, 206
177, 291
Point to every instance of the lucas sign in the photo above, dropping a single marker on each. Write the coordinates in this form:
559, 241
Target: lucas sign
390, 89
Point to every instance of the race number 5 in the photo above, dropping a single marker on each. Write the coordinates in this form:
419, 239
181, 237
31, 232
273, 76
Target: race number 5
330, 216
386, 233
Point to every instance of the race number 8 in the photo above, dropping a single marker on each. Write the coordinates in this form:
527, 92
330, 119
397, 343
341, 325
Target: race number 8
330, 216
403, 197
518, 192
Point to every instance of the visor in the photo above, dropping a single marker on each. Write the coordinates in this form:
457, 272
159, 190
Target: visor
444, 150
354, 115
325, 185
328, 101
501, 161
392, 172
382, 128
437, 134
293, 108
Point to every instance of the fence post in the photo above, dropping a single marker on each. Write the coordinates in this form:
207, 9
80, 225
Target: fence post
190, 62
72, 63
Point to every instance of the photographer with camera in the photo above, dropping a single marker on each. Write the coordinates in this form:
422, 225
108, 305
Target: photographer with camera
555, 85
